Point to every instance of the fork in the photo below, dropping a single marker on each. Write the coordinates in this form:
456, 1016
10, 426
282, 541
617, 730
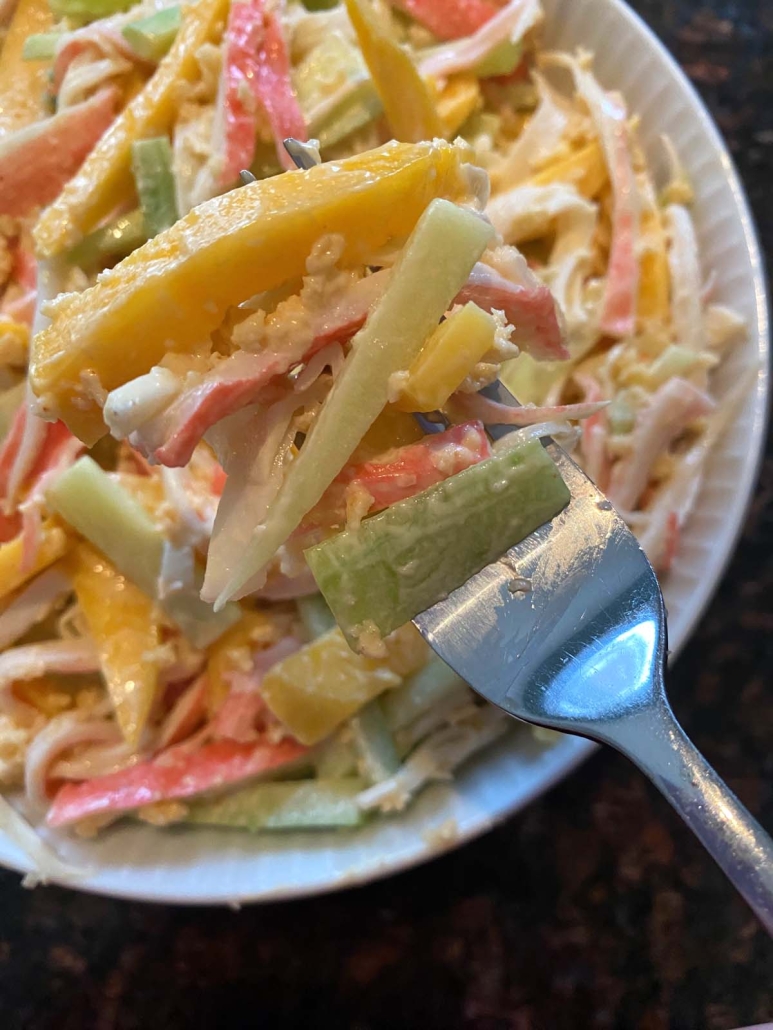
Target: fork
582, 649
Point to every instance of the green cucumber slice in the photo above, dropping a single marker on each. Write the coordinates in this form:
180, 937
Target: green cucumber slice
378, 758
303, 804
115, 240
335, 758
152, 167
315, 615
421, 692
152, 37
40, 46
403, 560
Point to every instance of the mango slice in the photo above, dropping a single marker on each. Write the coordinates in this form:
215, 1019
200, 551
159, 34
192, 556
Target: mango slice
318, 687
447, 358
584, 168
172, 292
124, 625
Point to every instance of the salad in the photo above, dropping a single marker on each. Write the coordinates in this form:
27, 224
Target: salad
259, 259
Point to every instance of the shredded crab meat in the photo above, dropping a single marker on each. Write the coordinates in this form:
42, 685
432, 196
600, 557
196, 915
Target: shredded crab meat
684, 265
435, 759
539, 140
672, 409
511, 22
608, 110
494, 413
63, 732
29, 661
46, 864
258, 451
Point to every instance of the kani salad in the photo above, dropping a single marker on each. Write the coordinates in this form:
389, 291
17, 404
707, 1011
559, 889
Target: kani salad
213, 364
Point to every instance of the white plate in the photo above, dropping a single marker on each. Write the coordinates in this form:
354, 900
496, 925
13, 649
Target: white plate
198, 866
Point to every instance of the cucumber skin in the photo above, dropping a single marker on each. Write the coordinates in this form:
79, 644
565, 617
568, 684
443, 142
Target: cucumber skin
302, 804
403, 560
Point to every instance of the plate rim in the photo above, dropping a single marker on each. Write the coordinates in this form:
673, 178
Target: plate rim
577, 749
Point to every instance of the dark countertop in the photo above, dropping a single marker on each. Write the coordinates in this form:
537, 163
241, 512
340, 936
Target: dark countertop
593, 908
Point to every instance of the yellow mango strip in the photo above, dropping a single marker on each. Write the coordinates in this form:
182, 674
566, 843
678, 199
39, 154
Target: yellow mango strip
232, 653
447, 358
124, 625
324, 683
654, 275
585, 169
53, 544
45, 694
23, 84
105, 178
176, 289
407, 99
459, 98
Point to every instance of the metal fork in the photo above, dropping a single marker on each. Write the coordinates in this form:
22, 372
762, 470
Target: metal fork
582, 649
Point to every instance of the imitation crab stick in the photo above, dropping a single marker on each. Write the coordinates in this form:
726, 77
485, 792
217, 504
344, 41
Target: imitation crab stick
173, 774
36, 162
407, 470
255, 78
104, 181
249, 240
449, 19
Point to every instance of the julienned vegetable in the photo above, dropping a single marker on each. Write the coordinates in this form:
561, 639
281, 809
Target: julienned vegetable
152, 167
152, 37
302, 805
448, 240
407, 98
108, 516
403, 560
41, 46
113, 241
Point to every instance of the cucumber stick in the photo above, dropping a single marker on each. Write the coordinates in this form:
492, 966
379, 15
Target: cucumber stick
107, 515
302, 804
152, 37
403, 560
428, 687
153, 176
115, 240
432, 268
376, 750
354, 112
315, 615
335, 758
40, 46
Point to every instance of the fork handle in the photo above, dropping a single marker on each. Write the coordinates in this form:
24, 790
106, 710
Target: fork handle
656, 742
